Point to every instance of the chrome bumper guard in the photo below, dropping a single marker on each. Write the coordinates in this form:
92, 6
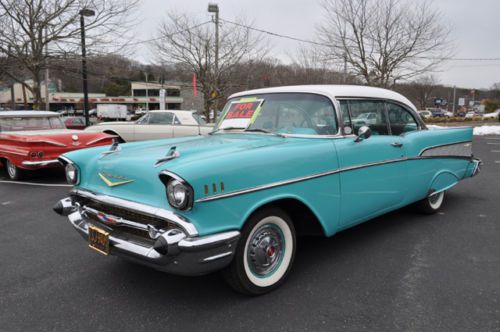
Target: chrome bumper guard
173, 251
41, 163
477, 166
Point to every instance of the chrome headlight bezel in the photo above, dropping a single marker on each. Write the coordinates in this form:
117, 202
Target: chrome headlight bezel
180, 194
72, 173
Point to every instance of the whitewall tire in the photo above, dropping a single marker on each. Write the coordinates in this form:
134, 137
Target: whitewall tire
265, 253
432, 203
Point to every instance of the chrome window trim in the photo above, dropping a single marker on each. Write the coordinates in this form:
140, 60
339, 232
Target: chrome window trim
169, 216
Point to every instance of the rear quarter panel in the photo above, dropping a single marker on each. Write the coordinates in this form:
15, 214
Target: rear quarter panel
438, 159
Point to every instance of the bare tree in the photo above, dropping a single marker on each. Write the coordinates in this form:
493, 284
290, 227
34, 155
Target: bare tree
384, 40
35, 31
186, 41
421, 90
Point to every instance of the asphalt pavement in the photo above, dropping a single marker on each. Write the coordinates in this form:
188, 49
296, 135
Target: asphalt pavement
401, 271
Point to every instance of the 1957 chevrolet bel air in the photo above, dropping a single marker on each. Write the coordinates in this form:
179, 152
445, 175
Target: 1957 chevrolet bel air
281, 162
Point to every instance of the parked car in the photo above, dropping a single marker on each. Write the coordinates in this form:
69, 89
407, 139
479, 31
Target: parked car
156, 125
471, 114
76, 122
31, 140
493, 115
425, 114
277, 165
438, 113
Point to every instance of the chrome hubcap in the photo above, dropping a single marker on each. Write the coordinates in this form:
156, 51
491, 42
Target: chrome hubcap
433, 199
266, 249
11, 169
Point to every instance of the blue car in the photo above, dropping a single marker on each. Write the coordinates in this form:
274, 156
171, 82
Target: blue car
280, 163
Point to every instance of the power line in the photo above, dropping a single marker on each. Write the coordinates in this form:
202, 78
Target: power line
275, 34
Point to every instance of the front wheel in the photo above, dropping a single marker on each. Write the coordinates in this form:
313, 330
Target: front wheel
432, 203
265, 253
13, 171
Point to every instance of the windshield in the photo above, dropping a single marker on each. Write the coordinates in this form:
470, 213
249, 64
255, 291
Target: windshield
280, 113
30, 123
199, 119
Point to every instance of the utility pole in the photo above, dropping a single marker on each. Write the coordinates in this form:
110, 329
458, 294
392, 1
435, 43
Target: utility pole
47, 102
345, 69
147, 93
454, 95
214, 8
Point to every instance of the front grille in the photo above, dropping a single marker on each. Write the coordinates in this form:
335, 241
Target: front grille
124, 213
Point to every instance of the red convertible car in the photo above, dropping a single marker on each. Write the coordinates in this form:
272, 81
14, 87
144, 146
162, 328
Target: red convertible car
30, 140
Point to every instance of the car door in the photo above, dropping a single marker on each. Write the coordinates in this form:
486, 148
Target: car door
159, 126
372, 174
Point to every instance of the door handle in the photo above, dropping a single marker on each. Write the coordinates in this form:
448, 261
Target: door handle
397, 144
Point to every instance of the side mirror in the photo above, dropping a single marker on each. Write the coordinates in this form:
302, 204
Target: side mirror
363, 133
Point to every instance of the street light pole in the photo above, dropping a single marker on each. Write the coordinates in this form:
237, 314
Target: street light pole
83, 13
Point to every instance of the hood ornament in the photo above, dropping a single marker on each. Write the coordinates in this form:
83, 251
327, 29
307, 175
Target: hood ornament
115, 147
171, 154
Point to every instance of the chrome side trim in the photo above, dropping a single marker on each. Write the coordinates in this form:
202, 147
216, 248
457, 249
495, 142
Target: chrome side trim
40, 163
212, 258
449, 149
33, 141
16, 153
182, 222
100, 139
318, 175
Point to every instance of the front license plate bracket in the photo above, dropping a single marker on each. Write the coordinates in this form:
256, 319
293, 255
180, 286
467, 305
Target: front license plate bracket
99, 240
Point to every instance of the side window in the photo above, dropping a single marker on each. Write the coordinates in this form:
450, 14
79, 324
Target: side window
344, 108
400, 119
176, 120
369, 113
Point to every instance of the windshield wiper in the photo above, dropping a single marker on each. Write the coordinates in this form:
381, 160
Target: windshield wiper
225, 128
260, 130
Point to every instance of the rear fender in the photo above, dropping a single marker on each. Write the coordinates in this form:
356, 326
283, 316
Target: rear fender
442, 181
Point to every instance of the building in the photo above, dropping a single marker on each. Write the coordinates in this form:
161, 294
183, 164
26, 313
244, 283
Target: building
145, 95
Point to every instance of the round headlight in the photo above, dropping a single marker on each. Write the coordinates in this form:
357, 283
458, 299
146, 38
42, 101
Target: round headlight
178, 194
71, 173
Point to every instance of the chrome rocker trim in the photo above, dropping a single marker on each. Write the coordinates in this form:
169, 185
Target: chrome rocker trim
173, 251
41, 163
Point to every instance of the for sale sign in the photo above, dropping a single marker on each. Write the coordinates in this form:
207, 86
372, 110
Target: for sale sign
241, 114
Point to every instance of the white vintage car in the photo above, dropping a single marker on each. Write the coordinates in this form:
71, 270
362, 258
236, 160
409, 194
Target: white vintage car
156, 125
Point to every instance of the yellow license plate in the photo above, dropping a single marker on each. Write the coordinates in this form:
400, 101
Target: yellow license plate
99, 240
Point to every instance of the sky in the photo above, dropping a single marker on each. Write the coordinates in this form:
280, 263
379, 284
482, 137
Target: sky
474, 27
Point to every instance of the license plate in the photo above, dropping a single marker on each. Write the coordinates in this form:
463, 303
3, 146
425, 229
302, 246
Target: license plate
99, 240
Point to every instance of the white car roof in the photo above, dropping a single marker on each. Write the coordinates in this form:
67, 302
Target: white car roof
9, 114
172, 111
335, 91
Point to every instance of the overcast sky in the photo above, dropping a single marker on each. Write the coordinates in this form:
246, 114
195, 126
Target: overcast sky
475, 30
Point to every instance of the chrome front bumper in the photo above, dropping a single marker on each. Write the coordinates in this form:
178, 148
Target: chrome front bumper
173, 251
41, 163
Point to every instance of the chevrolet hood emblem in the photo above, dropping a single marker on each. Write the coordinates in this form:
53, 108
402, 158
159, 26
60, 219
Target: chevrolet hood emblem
113, 180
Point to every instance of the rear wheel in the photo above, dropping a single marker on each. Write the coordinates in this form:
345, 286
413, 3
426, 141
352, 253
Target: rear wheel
265, 253
13, 171
432, 203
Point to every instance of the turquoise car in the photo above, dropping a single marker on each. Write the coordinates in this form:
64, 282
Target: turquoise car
281, 162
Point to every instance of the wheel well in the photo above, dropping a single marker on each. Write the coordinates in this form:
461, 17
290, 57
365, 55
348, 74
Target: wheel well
110, 132
305, 221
